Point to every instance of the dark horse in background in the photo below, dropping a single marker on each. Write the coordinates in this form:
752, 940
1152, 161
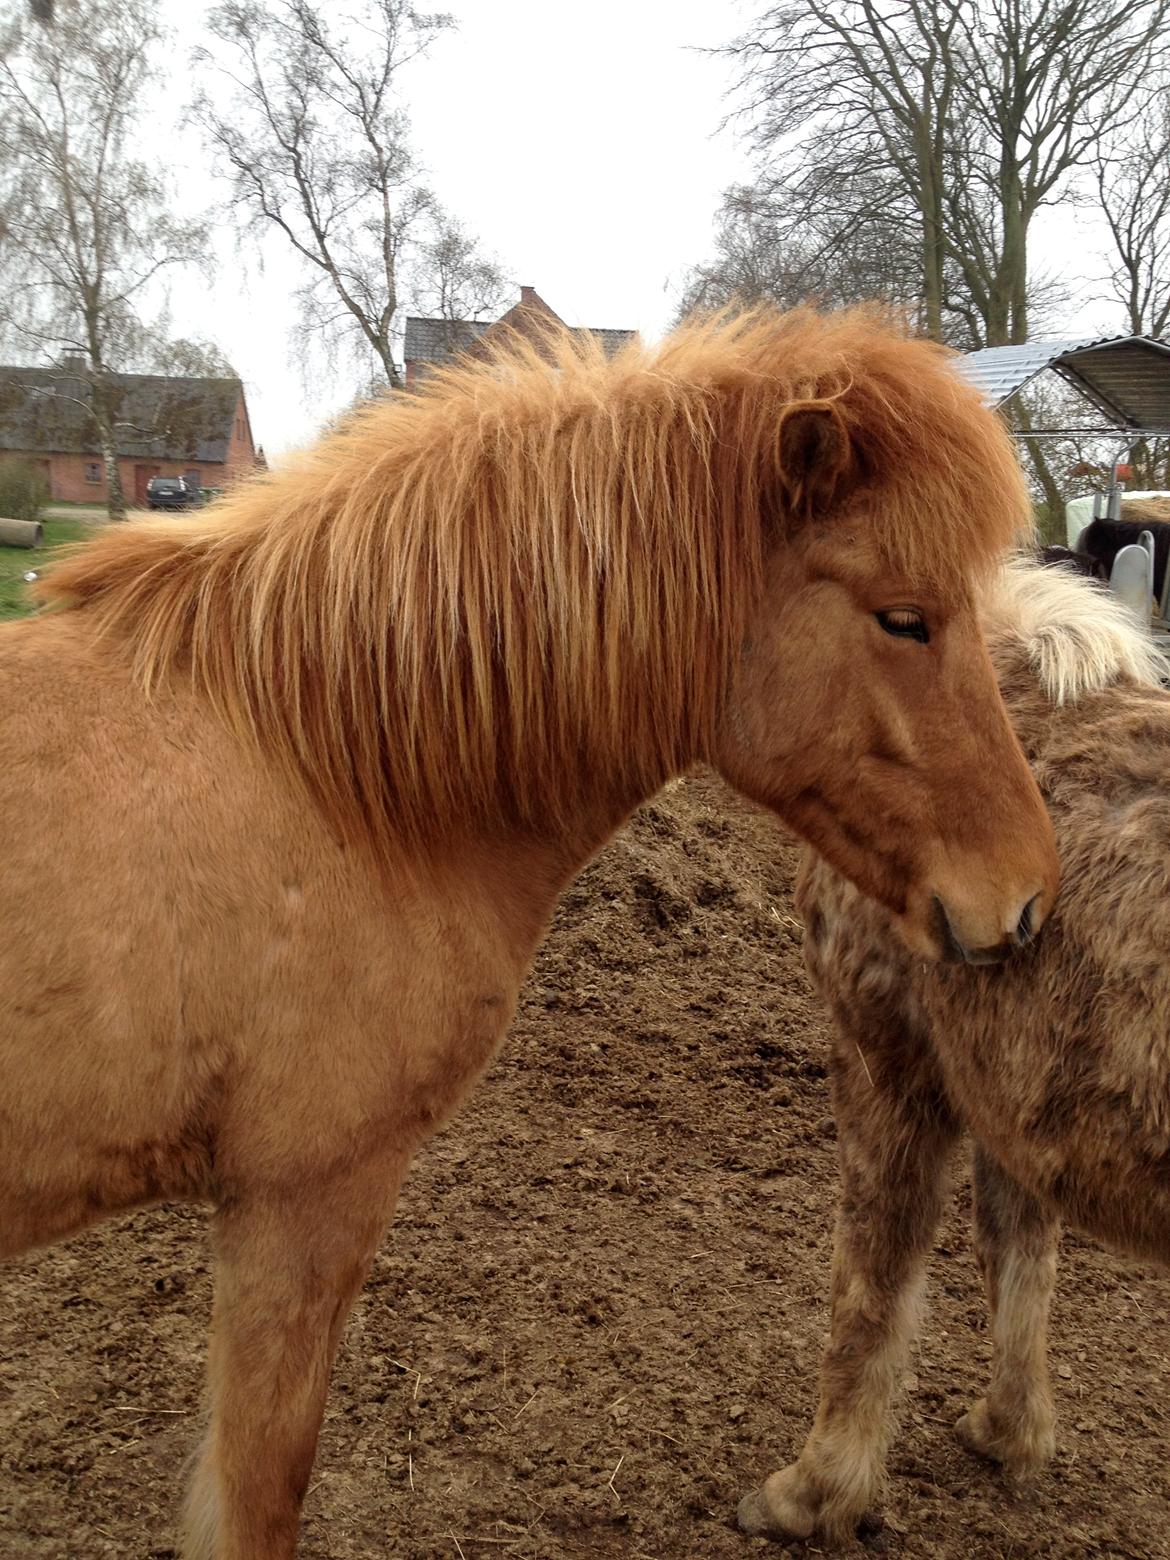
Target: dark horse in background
1079, 562
1104, 539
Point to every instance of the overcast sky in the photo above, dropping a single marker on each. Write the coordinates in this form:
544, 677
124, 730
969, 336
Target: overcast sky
581, 144
578, 142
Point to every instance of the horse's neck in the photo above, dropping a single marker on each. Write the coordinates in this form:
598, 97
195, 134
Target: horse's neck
513, 878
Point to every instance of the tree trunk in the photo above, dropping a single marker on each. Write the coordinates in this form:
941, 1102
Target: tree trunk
932, 238
1013, 268
100, 402
389, 367
115, 498
102, 409
932, 278
1052, 528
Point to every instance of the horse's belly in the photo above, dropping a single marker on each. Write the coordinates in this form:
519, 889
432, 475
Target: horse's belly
100, 1078
200, 986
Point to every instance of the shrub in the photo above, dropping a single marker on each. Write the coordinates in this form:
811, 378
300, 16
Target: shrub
23, 490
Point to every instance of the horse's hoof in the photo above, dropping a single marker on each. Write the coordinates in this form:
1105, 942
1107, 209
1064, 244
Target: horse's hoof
1023, 1455
775, 1512
752, 1515
974, 1430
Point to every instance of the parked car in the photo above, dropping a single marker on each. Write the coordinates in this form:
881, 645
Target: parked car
170, 493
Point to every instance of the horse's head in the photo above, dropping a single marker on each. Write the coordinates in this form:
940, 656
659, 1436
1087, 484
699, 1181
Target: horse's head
865, 712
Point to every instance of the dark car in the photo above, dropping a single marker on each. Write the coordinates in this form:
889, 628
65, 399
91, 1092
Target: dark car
170, 493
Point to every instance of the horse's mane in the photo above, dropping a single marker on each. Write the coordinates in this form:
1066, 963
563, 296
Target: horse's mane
529, 582
1077, 637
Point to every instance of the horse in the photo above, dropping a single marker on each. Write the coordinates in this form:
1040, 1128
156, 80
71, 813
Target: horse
1057, 1065
1102, 540
1079, 562
300, 778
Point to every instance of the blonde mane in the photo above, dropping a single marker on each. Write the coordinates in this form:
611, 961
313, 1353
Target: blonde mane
527, 585
1077, 637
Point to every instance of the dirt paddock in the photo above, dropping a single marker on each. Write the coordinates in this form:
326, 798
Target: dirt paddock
599, 1315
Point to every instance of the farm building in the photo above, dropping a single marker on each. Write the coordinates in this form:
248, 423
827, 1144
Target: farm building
430, 343
167, 426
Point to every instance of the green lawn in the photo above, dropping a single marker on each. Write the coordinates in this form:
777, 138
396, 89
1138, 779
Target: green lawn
16, 561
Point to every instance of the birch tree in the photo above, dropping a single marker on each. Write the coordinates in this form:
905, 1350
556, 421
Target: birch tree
308, 121
86, 226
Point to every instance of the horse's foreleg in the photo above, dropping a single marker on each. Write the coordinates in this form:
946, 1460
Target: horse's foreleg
894, 1135
1015, 1241
287, 1269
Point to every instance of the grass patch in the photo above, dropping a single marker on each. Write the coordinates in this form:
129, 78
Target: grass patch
15, 600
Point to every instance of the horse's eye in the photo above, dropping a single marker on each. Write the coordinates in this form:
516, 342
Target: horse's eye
905, 623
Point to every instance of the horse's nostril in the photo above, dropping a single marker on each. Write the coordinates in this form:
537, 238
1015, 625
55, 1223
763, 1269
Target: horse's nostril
950, 947
1026, 926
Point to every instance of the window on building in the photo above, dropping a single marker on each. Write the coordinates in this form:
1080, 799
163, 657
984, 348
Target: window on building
93, 471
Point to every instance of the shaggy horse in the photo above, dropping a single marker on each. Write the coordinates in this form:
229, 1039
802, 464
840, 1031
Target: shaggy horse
1058, 1065
300, 779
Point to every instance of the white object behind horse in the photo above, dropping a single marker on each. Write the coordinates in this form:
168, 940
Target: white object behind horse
1078, 514
1132, 577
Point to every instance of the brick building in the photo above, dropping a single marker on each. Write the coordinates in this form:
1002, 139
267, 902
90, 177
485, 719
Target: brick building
169, 427
432, 342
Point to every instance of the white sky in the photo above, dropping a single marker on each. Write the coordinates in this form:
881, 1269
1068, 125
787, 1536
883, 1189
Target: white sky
580, 143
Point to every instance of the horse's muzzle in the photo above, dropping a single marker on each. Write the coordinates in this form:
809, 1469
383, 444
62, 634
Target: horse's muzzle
955, 951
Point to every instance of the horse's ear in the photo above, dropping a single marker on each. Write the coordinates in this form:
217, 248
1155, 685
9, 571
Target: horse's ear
817, 459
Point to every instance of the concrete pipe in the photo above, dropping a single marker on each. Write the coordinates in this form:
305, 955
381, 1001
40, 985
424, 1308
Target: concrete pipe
21, 533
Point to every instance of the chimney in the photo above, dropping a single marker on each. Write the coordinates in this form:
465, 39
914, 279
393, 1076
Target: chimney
527, 295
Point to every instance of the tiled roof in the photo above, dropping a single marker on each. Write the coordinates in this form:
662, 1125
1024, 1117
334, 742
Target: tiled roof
437, 341
434, 341
1127, 378
46, 410
612, 341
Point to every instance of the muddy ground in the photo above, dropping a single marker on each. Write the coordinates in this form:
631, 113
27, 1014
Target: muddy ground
599, 1316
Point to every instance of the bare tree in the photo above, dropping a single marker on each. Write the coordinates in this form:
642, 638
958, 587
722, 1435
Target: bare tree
86, 229
983, 111
316, 141
831, 92
451, 279
773, 244
1133, 182
181, 357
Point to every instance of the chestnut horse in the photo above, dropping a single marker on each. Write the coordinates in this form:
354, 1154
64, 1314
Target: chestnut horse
1057, 1064
293, 785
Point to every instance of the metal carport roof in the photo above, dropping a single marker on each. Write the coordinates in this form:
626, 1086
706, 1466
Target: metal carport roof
1127, 378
